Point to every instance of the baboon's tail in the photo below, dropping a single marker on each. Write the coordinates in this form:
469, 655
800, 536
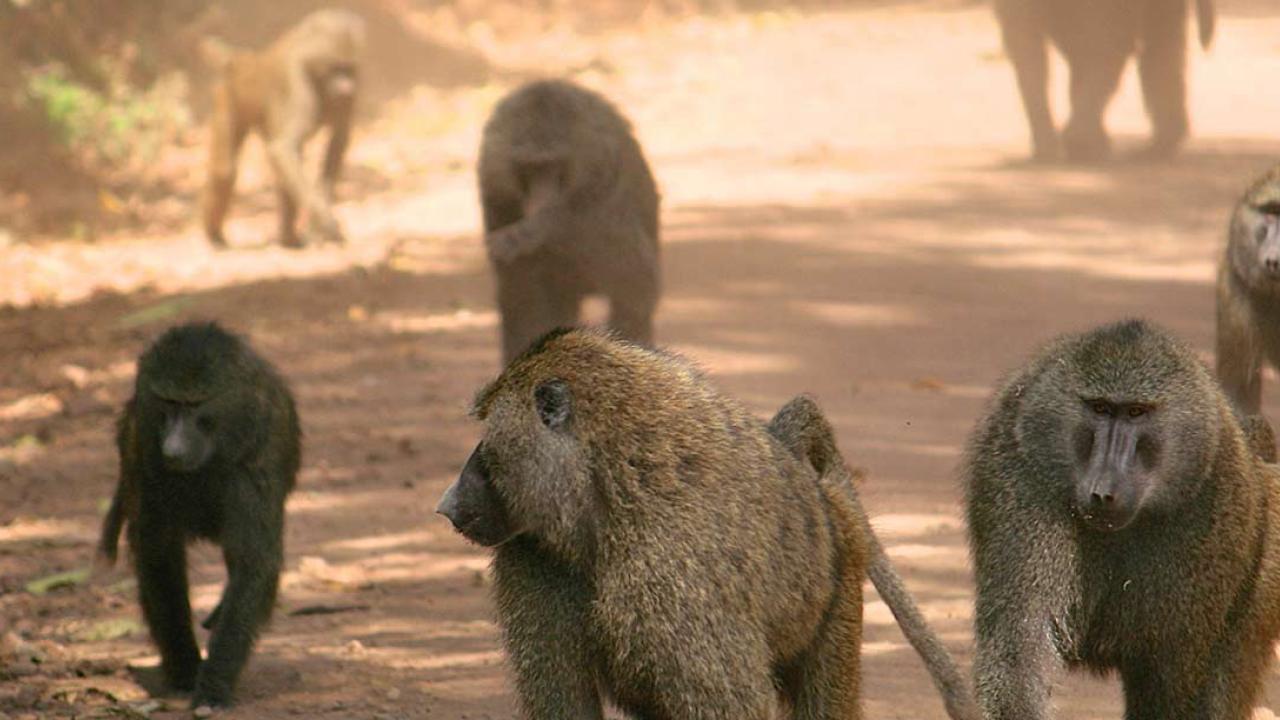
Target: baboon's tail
1206, 21
942, 667
804, 430
109, 541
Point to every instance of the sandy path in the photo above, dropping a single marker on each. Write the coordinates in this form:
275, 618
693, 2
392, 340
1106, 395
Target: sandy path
844, 215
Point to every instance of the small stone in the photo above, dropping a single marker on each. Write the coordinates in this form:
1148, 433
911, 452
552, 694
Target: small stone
203, 711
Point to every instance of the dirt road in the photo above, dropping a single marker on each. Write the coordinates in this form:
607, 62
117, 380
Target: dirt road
845, 214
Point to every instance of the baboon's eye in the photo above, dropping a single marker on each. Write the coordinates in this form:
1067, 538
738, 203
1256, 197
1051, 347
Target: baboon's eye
553, 401
1136, 411
1100, 407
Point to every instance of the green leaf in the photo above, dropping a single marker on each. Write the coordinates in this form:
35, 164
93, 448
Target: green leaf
58, 580
163, 310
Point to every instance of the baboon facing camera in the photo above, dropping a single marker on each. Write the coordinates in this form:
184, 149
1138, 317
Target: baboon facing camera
305, 81
209, 448
1121, 521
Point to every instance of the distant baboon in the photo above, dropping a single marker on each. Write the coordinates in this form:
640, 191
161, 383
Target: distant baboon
657, 545
1249, 294
209, 448
306, 80
570, 210
1119, 521
1097, 38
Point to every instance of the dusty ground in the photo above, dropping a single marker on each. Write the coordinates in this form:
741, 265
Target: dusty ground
845, 214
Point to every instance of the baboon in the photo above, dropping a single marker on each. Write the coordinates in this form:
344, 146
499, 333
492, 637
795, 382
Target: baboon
657, 545
1261, 437
1249, 294
570, 210
1119, 521
1096, 39
306, 80
209, 448
806, 432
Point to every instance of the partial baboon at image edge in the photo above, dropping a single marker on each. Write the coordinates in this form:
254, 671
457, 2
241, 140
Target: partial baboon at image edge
1097, 39
1248, 294
1121, 521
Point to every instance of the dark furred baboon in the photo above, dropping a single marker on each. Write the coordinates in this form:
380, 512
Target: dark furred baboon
1097, 38
306, 80
209, 448
570, 210
1249, 294
657, 545
1119, 521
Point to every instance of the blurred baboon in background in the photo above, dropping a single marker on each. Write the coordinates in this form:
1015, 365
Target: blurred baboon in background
570, 210
1097, 37
1249, 294
304, 81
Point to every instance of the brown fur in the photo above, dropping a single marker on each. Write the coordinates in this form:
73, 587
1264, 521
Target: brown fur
1182, 598
802, 427
570, 210
657, 543
304, 81
1248, 294
1097, 38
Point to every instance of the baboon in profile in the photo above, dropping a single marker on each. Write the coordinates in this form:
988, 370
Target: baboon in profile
209, 448
570, 210
1119, 521
1249, 294
657, 545
306, 80
1096, 39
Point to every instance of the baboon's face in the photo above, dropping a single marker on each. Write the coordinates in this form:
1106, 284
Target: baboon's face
1117, 451
335, 79
1122, 424
525, 475
186, 433
1259, 242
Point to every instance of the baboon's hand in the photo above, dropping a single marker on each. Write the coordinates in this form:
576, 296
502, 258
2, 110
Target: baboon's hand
507, 244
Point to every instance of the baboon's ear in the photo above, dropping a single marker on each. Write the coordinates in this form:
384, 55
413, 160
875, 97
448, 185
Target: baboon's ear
554, 402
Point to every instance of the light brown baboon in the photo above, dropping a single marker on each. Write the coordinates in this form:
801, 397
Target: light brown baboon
657, 545
1120, 522
570, 210
1249, 294
1097, 38
304, 81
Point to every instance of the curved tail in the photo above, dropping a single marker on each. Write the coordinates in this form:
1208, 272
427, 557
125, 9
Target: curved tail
805, 431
